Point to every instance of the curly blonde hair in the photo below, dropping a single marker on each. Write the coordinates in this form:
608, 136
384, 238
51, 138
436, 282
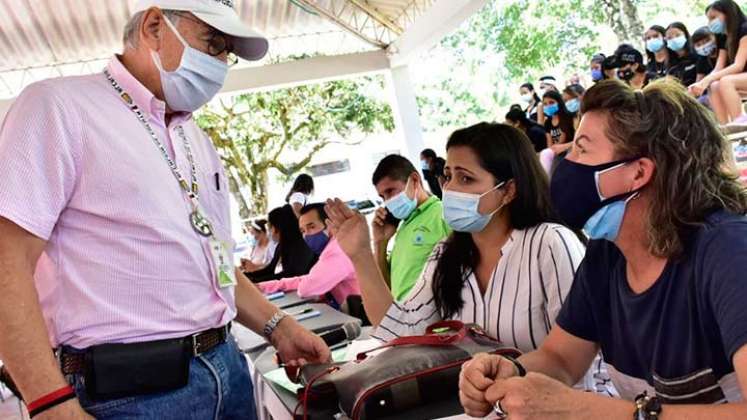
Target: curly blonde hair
695, 173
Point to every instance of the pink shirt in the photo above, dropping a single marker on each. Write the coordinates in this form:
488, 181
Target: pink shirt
333, 273
122, 262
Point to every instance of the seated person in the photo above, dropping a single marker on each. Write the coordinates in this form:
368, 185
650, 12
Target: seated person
706, 48
534, 132
420, 220
433, 170
292, 256
662, 288
333, 273
678, 40
506, 267
560, 129
728, 81
630, 67
263, 248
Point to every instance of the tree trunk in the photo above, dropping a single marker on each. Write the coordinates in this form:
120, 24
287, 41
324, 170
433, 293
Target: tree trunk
622, 17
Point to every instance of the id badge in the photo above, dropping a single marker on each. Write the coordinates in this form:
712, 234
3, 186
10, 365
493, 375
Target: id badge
224, 268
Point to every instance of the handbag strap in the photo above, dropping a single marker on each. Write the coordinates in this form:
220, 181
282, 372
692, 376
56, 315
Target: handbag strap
434, 336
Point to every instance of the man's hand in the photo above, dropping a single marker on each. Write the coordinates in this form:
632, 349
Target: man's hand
477, 376
297, 346
349, 228
382, 231
69, 410
534, 397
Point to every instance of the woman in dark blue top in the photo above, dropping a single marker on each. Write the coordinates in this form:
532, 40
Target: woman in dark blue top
663, 287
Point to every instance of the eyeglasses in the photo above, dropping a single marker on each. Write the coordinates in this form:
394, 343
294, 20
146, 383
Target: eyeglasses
217, 42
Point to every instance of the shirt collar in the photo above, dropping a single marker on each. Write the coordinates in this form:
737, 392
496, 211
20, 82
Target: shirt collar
421, 208
153, 107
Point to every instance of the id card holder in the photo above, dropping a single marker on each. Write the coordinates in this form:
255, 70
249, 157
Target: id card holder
224, 268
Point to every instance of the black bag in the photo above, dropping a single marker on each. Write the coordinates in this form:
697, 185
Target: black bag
120, 370
413, 372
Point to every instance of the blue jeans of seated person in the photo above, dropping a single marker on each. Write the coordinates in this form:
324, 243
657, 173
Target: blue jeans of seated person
219, 388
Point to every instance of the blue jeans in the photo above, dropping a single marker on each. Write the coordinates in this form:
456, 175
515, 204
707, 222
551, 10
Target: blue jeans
219, 388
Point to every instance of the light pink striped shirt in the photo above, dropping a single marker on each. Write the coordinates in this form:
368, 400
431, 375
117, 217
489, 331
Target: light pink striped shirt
333, 273
122, 262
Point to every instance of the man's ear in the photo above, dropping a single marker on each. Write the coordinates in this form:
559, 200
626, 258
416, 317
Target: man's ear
151, 28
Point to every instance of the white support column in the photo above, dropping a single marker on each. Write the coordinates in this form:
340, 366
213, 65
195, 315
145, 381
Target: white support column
405, 110
4, 107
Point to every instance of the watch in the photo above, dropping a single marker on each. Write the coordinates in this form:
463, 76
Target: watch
647, 407
272, 324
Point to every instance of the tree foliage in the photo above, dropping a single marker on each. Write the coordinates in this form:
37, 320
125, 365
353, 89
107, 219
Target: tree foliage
257, 132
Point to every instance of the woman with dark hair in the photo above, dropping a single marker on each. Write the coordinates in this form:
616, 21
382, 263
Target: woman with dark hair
293, 257
660, 58
506, 266
729, 24
536, 133
597, 68
530, 100
661, 290
560, 128
263, 248
298, 196
706, 47
572, 96
678, 40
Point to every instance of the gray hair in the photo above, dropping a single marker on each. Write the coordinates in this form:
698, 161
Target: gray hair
131, 36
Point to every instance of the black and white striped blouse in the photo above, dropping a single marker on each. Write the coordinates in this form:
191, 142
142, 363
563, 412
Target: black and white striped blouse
524, 296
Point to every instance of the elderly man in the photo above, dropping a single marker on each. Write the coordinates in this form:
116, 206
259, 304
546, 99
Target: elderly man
114, 233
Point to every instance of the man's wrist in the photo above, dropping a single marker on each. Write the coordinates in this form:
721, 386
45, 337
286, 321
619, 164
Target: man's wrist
273, 324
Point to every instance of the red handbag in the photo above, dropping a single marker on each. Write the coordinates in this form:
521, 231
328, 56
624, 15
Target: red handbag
412, 372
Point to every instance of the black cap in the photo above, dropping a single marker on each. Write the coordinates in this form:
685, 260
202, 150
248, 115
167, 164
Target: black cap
626, 54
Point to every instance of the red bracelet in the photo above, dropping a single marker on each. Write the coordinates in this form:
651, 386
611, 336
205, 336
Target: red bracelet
50, 400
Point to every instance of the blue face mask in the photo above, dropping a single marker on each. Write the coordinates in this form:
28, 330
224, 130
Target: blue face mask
424, 165
706, 50
551, 110
251, 241
655, 45
461, 210
195, 82
573, 105
597, 75
677, 44
717, 26
606, 222
401, 206
317, 242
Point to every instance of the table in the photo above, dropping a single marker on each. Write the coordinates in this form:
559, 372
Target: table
292, 299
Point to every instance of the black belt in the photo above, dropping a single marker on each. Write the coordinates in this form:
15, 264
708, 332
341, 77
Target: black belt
199, 343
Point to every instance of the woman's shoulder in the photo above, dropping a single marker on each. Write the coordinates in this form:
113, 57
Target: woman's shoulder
553, 233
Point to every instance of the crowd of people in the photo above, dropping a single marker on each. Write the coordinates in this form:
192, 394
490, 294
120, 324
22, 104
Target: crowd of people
602, 232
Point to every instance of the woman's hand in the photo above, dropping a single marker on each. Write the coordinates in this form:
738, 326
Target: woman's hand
535, 397
349, 229
697, 89
477, 376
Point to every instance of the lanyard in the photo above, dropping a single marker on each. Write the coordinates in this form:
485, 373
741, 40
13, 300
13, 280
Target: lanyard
199, 222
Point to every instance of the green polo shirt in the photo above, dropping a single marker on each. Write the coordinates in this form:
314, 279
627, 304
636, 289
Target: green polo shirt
413, 244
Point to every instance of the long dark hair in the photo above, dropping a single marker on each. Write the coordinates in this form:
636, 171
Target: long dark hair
507, 154
530, 87
565, 116
651, 56
304, 184
734, 19
284, 221
688, 48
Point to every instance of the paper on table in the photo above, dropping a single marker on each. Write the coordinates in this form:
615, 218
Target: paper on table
279, 377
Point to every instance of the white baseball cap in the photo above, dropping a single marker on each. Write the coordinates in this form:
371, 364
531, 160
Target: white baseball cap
221, 15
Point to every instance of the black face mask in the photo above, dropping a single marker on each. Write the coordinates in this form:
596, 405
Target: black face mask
626, 75
574, 192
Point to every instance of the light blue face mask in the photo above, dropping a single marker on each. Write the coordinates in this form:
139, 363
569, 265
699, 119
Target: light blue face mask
717, 26
401, 206
195, 82
551, 110
606, 222
677, 44
251, 241
573, 105
461, 210
424, 165
655, 45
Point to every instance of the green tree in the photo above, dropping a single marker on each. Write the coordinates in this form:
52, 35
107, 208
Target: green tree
254, 132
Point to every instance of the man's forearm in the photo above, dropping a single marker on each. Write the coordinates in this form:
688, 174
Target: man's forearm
253, 309
24, 342
382, 262
544, 362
